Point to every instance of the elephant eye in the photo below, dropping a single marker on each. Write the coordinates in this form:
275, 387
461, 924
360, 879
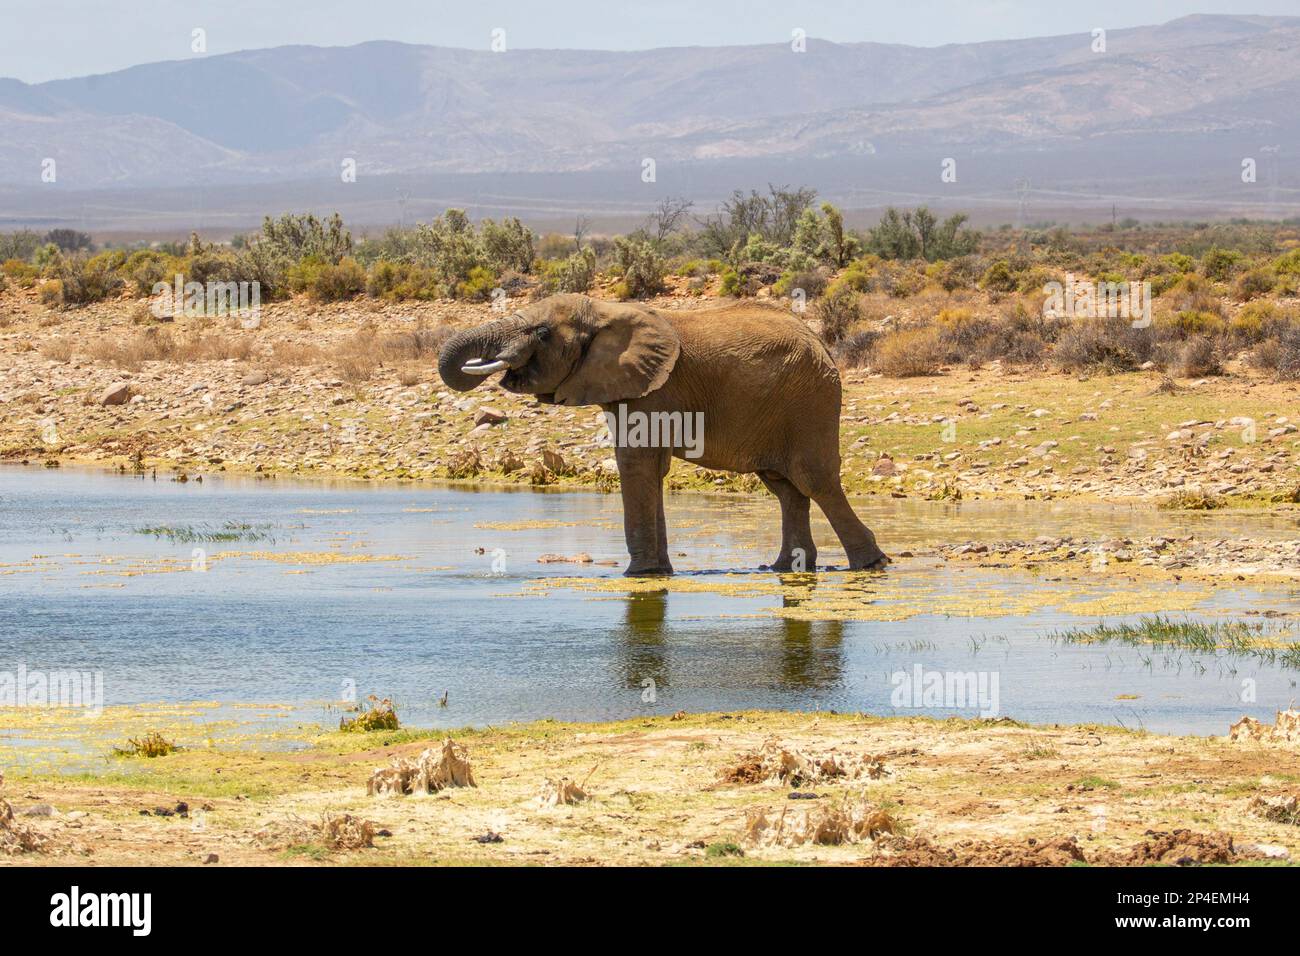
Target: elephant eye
542, 332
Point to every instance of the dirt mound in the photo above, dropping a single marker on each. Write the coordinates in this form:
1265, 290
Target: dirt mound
775, 763
920, 851
1180, 848
826, 825
430, 772
1285, 729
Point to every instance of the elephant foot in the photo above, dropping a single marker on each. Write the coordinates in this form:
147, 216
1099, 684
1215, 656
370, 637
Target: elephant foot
872, 561
787, 565
635, 570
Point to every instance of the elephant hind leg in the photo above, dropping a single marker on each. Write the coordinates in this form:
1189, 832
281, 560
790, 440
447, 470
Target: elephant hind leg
798, 552
858, 541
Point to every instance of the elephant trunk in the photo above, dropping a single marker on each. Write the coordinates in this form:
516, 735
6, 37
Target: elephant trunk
473, 347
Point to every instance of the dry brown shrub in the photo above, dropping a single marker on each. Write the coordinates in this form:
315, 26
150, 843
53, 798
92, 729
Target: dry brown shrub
909, 352
57, 350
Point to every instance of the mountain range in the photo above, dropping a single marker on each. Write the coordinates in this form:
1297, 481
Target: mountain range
1165, 113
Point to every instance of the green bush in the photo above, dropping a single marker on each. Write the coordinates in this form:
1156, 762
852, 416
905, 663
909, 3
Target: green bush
478, 285
643, 268
999, 278
84, 279
577, 273
1219, 264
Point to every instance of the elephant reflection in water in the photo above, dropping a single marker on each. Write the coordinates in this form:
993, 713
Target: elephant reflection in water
809, 655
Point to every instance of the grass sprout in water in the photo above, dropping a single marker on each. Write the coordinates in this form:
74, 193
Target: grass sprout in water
209, 534
1233, 637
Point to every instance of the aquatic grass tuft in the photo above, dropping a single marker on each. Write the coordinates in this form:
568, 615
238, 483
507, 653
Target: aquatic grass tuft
152, 744
1232, 637
209, 534
380, 715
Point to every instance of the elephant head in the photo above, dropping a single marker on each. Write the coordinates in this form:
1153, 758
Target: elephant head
567, 350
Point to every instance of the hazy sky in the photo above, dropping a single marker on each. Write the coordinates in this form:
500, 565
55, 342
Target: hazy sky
47, 39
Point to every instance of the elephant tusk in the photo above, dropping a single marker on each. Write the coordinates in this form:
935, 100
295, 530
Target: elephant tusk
475, 369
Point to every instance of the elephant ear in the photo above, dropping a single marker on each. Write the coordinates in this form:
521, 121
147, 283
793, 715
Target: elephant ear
630, 355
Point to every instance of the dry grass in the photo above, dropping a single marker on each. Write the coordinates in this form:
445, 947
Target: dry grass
909, 352
160, 345
57, 350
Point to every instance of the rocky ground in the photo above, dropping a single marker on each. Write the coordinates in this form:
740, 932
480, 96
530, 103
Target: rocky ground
690, 789
351, 390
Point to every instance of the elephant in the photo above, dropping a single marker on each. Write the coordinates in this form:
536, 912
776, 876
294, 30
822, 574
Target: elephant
757, 379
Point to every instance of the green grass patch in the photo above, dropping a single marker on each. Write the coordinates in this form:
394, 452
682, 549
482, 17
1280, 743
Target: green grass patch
211, 534
1234, 637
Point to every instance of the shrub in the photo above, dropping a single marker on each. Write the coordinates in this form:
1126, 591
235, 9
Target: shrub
854, 349
1280, 355
84, 279
1219, 264
21, 273
332, 283
297, 237
396, 280
1108, 345
642, 266
1000, 278
1253, 284
1249, 323
811, 281
858, 276
837, 313
909, 352
1198, 356
478, 285
507, 245
574, 274
148, 267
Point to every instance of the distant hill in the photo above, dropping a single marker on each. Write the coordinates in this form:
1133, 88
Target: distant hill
1195, 94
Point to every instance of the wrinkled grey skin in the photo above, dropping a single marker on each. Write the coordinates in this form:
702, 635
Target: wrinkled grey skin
768, 391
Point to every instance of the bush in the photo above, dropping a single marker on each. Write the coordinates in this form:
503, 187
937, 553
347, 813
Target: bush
1000, 278
837, 313
1280, 355
1219, 264
396, 280
1109, 345
1198, 356
83, 280
1253, 284
577, 273
909, 352
21, 273
297, 237
642, 267
507, 245
855, 349
147, 268
478, 285
811, 281
333, 283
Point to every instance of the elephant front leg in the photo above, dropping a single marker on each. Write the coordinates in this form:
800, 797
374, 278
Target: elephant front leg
641, 473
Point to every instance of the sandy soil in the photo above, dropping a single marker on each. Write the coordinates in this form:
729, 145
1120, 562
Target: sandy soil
688, 790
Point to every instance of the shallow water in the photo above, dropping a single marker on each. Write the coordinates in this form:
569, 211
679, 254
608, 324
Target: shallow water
414, 591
